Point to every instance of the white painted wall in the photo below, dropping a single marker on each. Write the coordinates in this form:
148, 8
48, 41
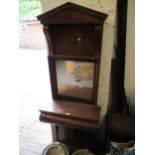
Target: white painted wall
130, 55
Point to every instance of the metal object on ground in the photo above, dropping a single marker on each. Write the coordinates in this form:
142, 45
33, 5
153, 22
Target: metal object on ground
82, 152
56, 148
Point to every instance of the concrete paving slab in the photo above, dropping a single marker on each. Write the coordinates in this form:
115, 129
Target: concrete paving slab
34, 93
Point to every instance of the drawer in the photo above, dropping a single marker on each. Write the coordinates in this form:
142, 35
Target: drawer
73, 40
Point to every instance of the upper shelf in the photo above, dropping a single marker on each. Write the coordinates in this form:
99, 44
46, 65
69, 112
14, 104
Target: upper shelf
72, 114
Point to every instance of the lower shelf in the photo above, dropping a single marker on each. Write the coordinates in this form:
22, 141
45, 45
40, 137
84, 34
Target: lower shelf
72, 114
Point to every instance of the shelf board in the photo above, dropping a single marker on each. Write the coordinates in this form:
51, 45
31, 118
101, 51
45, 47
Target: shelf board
71, 114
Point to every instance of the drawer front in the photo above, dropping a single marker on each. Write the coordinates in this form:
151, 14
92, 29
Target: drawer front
73, 40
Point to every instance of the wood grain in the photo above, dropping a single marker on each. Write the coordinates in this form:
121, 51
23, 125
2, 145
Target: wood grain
71, 114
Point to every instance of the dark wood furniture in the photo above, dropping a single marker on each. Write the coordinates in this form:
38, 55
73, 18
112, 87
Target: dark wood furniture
120, 127
72, 114
74, 35
120, 48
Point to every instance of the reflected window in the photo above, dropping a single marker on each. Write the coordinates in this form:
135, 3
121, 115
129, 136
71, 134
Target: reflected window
75, 79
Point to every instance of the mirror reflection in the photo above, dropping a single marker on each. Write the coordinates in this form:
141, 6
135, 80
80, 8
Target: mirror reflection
75, 79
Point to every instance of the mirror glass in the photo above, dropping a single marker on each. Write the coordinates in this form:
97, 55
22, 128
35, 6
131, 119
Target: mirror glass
75, 79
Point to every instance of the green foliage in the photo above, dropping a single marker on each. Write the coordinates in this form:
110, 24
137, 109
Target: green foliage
29, 9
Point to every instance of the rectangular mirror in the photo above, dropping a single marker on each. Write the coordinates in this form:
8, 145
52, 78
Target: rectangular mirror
75, 79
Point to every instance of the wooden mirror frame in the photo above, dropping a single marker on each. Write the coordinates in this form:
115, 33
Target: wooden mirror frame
54, 82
